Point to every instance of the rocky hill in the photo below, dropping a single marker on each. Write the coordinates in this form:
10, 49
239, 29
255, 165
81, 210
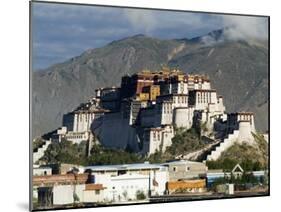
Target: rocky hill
238, 70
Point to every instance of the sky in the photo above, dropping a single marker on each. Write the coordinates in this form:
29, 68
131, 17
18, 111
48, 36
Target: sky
63, 31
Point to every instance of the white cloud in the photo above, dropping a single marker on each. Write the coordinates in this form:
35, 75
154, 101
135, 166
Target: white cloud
141, 19
152, 21
235, 27
245, 27
68, 30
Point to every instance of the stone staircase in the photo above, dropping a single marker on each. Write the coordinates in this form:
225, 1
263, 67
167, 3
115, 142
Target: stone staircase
39, 152
225, 144
202, 153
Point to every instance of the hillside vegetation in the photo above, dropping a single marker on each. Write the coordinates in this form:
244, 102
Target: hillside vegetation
67, 152
184, 142
37, 143
250, 157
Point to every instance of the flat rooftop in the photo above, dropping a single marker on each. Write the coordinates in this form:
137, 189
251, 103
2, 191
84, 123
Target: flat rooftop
134, 166
182, 162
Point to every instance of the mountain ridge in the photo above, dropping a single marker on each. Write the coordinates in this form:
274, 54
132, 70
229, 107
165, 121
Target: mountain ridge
61, 87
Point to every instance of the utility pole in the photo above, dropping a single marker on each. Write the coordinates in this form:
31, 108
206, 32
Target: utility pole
90, 143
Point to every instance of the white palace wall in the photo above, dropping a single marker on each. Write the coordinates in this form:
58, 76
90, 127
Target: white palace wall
117, 133
167, 113
183, 117
156, 139
82, 121
179, 88
245, 132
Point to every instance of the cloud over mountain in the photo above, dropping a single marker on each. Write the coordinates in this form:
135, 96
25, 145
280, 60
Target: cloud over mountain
245, 27
68, 30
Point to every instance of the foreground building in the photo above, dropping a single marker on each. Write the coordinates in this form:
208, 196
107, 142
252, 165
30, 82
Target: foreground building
65, 189
107, 184
186, 186
186, 176
186, 170
102, 184
125, 181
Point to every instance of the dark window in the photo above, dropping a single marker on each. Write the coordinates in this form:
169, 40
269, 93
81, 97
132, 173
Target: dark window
121, 172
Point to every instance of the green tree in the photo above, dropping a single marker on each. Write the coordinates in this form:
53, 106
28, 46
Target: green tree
140, 195
185, 141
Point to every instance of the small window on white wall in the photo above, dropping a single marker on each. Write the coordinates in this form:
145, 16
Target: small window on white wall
187, 168
174, 169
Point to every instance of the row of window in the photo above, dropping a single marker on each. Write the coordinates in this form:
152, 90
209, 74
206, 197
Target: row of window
87, 117
167, 108
204, 98
245, 117
156, 135
175, 169
175, 88
180, 99
75, 137
127, 186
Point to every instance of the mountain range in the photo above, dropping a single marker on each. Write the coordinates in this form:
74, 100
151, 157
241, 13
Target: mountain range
238, 69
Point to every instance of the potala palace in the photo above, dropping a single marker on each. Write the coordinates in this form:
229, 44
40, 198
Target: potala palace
145, 110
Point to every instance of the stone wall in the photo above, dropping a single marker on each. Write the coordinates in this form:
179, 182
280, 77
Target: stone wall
183, 117
115, 132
